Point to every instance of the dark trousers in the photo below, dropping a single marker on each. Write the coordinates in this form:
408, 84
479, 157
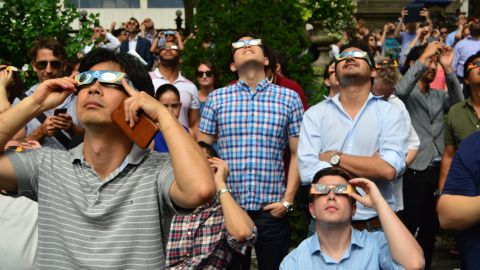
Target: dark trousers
419, 215
272, 243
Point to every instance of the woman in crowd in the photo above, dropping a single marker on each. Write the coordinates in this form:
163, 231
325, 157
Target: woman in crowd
169, 96
207, 78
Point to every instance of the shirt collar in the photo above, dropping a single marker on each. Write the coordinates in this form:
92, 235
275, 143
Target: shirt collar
135, 156
468, 102
261, 86
355, 240
336, 99
135, 38
159, 75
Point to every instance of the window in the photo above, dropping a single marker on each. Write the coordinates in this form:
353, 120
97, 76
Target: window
106, 3
165, 3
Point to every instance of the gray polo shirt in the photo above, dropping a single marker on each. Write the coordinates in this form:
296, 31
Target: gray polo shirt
119, 223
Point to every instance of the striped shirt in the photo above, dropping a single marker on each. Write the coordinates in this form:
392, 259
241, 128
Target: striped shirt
253, 128
84, 222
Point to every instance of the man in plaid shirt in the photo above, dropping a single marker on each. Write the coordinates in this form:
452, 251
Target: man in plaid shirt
254, 121
204, 239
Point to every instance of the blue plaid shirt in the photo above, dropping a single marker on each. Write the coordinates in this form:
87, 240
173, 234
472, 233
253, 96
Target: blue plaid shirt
253, 128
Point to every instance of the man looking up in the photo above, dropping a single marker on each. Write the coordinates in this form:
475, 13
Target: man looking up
337, 245
254, 122
168, 71
106, 203
137, 43
355, 131
427, 108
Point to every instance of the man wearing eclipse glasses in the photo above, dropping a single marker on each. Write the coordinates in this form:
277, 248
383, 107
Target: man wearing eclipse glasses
254, 121
356, 131
51, 129
336, 244
106, 203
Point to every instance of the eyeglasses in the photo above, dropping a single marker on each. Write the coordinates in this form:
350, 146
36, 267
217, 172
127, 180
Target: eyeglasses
132, 23
171, 47
322, 189
204, 74
105, 77
55, 64
387, 63
243, 43
353, 54
473, 65
169, 33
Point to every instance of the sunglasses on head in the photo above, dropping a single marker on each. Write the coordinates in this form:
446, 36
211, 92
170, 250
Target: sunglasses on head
243, 43
105, 77
204, 73
353, 54
387, 63
171, 47
322, 189
55, 64
473, 65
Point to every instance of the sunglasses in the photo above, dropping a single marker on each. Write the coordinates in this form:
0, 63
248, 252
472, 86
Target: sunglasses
243, 43
322, 189
105, 77
353, 54
55, 64
169, 33
171, 47
204, 74
387, 63
473, 65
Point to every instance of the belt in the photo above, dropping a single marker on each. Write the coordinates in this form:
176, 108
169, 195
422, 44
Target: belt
369, 224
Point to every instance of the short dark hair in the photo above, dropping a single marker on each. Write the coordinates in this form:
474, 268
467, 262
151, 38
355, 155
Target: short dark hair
52, 44
135, 20
330, 171
166, 88
413, 55
277, 57
465, 69
210, 150
135, 70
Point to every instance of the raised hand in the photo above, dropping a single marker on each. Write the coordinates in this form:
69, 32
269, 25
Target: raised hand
51, 93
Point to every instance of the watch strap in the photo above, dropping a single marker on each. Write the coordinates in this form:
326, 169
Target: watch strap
223, 190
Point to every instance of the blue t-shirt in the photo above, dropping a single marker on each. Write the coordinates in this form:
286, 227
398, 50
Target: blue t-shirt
464, 179
160, 143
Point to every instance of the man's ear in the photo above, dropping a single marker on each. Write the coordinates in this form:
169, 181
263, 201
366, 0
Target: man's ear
311, 209
373, 72
327, 82
233, 67
466, 81
266, 61
33, 66
354, 208
278, 69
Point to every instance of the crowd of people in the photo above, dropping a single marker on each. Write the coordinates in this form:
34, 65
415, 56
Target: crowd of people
386, 159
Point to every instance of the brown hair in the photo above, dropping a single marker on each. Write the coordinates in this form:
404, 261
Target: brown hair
48, 43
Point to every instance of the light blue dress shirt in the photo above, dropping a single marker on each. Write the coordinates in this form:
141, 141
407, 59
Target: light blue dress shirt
462, 50
367, 250
378, 127
450, 40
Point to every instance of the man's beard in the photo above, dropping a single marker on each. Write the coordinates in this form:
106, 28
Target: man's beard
171, 63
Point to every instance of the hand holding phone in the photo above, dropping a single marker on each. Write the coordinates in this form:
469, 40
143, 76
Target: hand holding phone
57, 112
142, 133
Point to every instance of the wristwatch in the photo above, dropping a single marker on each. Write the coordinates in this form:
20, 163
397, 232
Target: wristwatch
335, 159
223, 190
287, 205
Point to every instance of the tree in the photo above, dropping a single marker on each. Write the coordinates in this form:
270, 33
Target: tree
279, 23
24, 21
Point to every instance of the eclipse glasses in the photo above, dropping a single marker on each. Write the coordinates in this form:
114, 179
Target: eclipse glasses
243, 43
353, 54
322, 189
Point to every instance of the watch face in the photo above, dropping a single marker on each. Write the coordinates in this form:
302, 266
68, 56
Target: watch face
335, 159
290, 208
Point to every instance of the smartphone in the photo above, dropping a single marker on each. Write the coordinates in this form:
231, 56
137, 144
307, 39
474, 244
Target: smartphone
414, 13
142, 133
59, 111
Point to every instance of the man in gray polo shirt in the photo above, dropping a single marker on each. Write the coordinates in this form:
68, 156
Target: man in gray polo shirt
106, 203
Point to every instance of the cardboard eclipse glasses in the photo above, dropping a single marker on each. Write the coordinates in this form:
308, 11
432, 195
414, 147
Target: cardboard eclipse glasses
322, 189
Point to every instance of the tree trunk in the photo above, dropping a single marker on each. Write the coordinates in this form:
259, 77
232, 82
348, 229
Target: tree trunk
188, 6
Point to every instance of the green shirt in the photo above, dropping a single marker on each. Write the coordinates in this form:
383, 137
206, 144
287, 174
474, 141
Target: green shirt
462, 120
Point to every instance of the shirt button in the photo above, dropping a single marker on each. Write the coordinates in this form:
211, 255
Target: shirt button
189, 233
